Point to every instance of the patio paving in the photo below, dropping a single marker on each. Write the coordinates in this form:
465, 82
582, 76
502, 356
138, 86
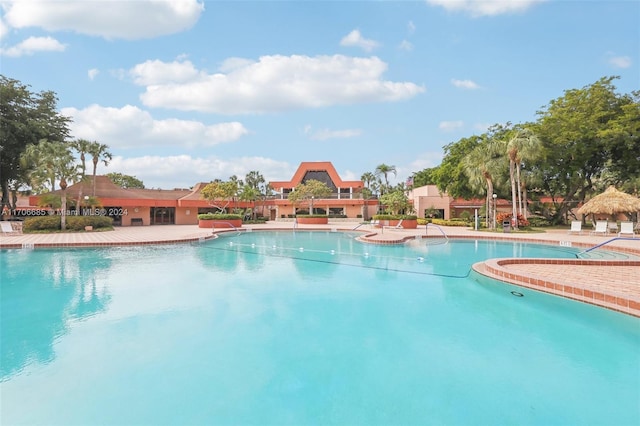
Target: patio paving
611, 284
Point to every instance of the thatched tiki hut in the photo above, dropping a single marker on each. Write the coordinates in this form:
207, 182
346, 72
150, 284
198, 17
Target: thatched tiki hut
611, 203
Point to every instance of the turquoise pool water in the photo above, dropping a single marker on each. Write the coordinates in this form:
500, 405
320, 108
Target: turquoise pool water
304, 328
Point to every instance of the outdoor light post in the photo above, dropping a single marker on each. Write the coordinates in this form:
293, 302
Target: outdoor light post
495, 211
311, 211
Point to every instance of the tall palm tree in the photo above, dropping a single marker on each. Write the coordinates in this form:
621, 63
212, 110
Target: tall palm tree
255, 180
385, 170
98, 152
82, 146
479, 166
523, 146
67, 171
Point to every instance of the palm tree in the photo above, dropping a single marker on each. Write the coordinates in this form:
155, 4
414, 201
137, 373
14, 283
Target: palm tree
384, 170
40, 161
66, 170
479, 165
255, 180
523, 146
368, 178
82, 146
98, 152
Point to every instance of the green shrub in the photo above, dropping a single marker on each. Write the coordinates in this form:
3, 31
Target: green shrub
258, 220
73, 223
449, 222
538, 222
77, 223
424, 221
394, 217
466, 216
41, 223
219, 216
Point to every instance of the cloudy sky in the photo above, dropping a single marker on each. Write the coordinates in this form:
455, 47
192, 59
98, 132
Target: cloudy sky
185, 91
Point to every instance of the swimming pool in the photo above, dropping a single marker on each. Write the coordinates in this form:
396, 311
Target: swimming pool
303, 328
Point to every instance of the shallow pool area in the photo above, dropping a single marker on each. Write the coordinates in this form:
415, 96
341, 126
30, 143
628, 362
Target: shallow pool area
304, 328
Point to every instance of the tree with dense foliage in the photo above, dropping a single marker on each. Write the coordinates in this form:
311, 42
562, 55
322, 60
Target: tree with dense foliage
396, 201
450, 174
425, 177
217, 192
309, 190
623, 134
125, 181
586, 133
26, 118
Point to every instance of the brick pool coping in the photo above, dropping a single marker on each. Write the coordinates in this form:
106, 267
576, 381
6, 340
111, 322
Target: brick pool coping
612, 284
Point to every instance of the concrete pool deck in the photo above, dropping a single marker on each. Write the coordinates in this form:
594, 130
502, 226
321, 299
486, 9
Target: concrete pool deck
614, 284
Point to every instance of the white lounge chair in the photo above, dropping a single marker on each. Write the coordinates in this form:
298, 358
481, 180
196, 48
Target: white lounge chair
601, 228
626, 228
612, 227
7, 229
576, 226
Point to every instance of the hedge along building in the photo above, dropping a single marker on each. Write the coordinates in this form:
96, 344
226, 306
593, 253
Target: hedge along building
182, 206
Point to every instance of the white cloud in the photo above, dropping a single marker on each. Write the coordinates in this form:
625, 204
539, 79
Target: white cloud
109, 19
406, 45
620, 61
33, 45
4, 28
355, 39
130, 127
450, 126
324, 134
150, 73
273, 83
232, 64
477, 8
465, 84
93, 73
184, 171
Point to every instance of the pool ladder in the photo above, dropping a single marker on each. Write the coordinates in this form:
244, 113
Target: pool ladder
426, 230
230, 225
605, 243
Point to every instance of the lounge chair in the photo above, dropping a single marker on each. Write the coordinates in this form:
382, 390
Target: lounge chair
576, 226
626, 228
612, 227
7, 229
601, 228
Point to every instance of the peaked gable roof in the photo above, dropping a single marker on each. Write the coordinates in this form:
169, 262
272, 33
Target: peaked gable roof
315, 166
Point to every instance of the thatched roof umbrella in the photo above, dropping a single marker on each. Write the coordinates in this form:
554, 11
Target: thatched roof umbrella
611, 202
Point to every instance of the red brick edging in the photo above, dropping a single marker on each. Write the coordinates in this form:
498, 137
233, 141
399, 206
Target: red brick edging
497, 269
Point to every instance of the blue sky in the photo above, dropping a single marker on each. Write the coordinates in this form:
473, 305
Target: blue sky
187, 91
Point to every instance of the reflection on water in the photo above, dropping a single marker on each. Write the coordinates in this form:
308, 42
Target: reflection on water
41, 294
